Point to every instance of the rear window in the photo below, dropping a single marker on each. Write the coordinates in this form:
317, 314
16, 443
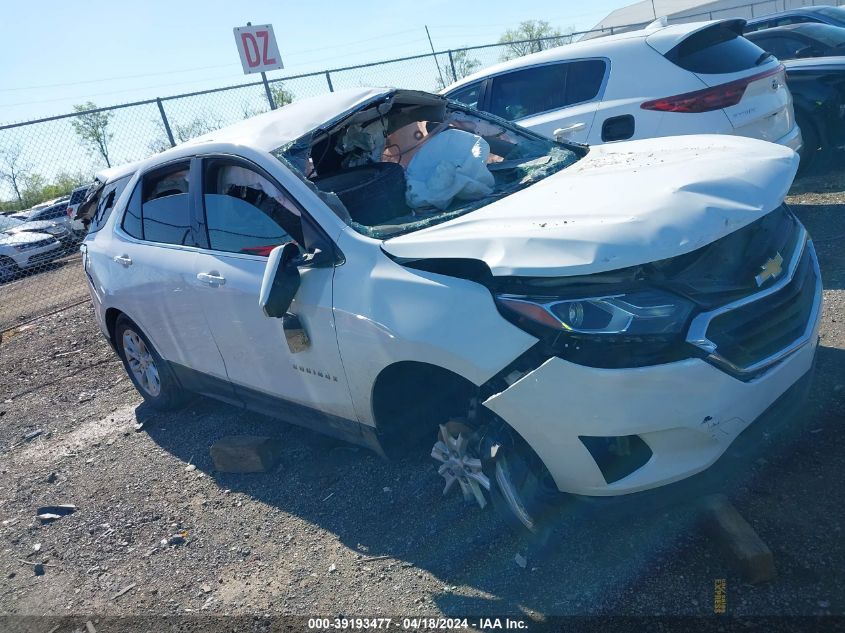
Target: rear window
715, 50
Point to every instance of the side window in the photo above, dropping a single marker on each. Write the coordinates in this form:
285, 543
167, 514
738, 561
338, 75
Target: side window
245, 212
132, 217
525, 92
794, 19
583, 80
790, 46
105, 204
165, 206
468, 95
160, 209
773, 45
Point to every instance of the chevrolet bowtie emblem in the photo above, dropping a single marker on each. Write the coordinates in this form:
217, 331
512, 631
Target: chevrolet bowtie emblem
770, 270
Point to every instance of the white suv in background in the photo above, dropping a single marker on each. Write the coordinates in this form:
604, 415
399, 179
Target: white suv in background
695, 78
387, 266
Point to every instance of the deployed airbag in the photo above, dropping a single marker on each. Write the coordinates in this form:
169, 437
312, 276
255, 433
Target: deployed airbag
452, 164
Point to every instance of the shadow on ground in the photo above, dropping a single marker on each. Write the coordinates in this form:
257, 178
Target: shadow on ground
602, 557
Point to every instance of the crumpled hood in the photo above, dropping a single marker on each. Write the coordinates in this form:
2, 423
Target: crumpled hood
622, 205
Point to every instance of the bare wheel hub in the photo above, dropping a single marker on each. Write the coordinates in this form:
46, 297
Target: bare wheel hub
458, 464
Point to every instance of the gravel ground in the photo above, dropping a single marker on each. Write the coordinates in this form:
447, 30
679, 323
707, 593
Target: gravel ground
336, 530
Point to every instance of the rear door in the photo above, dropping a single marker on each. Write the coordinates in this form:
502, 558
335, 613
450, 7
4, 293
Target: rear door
151, 276
559, 96
720, 57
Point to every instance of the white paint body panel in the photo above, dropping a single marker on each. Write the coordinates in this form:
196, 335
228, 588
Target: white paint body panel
668, 406
638, 73
621, 205
576, 222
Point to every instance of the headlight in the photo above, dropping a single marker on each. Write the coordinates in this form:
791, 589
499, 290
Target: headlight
649, 312
54, 230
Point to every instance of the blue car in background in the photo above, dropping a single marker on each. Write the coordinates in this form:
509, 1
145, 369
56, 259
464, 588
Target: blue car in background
824, 14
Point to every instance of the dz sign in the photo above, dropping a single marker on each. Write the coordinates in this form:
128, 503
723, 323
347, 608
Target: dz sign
257, 48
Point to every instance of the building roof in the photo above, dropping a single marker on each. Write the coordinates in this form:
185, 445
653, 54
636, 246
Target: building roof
646, 11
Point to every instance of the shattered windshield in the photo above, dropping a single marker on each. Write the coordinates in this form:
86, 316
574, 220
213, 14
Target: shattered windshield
413, 160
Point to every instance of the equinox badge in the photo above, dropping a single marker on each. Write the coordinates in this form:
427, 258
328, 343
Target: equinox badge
770, 270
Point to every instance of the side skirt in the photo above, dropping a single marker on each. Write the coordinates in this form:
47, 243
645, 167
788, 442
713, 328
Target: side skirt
242, 397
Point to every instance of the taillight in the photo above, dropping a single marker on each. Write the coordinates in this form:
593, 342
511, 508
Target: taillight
708, 99
69, 212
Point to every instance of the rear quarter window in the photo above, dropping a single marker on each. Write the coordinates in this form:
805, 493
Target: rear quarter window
715, 51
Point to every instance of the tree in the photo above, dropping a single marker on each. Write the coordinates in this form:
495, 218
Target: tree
534, 31
93, 129
463, 66
182, 131
13, 171
281, 95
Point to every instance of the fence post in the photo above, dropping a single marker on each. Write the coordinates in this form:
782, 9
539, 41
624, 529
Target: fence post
329, 81
452, 64
166, 122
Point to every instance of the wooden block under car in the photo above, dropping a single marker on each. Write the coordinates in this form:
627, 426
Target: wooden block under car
754, 557
246, 454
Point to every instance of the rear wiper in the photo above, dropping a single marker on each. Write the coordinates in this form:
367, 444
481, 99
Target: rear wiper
763, 57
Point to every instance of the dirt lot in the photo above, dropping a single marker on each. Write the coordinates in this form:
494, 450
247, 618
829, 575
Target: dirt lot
41, 290
336, 530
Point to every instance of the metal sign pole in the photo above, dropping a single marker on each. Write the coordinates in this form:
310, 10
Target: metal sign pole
267, 90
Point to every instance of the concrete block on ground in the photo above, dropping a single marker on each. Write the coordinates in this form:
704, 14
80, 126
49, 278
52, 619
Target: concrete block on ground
246, 454
739, 540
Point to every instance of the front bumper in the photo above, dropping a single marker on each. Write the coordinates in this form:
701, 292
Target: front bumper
687, 413
42, 255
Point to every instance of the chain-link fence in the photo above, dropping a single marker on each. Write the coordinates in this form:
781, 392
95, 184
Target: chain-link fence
46, 159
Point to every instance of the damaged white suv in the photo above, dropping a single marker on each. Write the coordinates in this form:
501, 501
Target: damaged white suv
386, 266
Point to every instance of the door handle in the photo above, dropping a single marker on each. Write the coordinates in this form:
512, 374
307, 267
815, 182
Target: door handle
212, 279
123, 260
562, 132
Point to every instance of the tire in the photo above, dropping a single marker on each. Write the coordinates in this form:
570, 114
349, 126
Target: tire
523, 492
496, 465
147, 370
812, 142
8, 269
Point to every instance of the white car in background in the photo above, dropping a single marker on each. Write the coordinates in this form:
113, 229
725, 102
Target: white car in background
388, 266
20, 250
695, 78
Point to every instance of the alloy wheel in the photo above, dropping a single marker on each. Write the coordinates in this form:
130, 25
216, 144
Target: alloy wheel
141, 363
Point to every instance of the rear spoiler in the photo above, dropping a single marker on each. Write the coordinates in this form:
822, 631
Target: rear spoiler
671, 37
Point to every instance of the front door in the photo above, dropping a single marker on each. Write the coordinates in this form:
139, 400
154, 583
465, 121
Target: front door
246, 215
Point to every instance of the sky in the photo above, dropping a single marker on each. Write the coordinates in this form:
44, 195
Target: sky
57, 53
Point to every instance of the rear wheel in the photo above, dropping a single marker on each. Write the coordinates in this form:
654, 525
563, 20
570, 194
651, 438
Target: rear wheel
496, 465
148, 371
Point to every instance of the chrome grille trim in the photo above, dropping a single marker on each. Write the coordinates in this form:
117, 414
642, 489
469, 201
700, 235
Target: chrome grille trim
697, 334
